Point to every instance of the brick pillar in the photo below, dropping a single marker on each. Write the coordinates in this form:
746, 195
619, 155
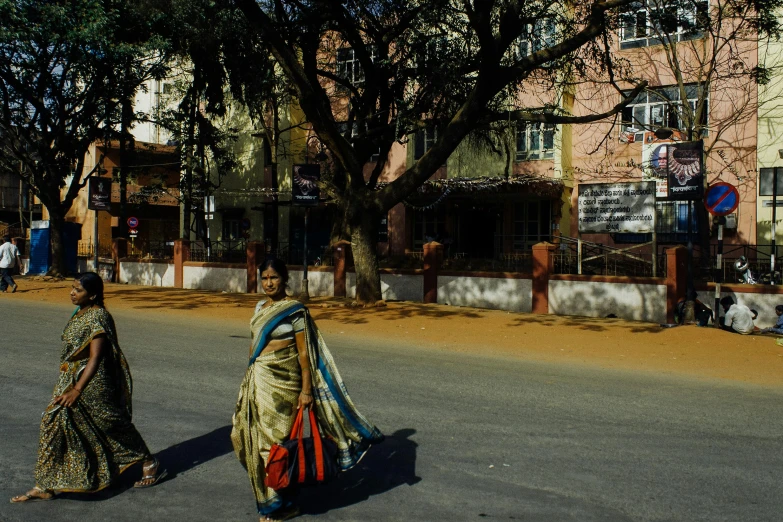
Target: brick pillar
433, 257
676, 279
181, 254
341, 252
543, 267
255, 256
119, 250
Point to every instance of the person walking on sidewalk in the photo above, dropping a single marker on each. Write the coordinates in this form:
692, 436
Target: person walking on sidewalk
87, 437
9, 257
290, 368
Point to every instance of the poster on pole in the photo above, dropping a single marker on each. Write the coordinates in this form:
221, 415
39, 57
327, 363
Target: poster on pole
685, 170
99, 190
304, 189
617, 207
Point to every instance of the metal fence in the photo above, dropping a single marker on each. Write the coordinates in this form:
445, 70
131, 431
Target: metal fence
86, 248
599, 259
293, 254
146, 249
234, 251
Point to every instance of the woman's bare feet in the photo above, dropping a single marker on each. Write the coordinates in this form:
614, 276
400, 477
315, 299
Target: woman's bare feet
34, 495
149, 474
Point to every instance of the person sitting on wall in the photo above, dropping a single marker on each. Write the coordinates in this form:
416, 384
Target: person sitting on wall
738, 318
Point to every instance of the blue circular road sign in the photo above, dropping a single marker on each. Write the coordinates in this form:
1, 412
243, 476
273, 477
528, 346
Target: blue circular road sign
721, 199
133, 222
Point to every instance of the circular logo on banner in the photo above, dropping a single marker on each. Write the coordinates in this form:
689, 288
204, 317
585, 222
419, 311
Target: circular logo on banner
133, 222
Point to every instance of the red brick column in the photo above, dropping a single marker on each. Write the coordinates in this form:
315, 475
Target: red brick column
433, 257
255, 256
543, 267
341, 252
676, 279
119, 250
181, 254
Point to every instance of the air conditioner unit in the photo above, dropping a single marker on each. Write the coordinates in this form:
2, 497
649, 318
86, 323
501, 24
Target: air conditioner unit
731, 221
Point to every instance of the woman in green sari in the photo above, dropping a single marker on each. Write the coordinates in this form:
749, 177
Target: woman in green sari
87, 437
290, 368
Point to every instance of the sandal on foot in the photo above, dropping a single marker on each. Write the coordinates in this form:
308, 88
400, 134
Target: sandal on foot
150, 473
34, 495
282, 514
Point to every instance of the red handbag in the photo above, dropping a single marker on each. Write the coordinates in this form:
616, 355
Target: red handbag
301, 460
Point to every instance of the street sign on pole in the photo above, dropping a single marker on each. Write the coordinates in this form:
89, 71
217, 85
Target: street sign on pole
133, 222
721, 199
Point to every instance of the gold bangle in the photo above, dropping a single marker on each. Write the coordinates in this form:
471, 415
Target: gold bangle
77, 389
305, 393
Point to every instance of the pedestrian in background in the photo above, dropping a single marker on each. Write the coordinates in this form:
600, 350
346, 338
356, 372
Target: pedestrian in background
738, 318
290, 368
87, 437
9, 257
778, 328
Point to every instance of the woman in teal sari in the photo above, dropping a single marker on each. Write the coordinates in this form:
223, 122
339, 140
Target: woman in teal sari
290, 368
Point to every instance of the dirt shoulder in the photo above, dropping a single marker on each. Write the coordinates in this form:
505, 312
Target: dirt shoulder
608, 343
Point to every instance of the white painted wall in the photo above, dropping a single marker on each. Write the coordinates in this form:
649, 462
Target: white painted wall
212, 278
147, 274
764, 304
627, 301
319, 284
394, 287
486, 292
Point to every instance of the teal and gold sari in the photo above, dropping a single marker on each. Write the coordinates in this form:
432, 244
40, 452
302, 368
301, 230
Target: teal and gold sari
269, 395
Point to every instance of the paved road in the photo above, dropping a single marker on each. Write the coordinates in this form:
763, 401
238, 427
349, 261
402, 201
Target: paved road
469, 438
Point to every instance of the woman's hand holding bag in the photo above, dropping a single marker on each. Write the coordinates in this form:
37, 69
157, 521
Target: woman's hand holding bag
299, 460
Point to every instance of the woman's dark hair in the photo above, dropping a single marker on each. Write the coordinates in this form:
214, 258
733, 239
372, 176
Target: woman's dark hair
93, 283
278, 266
779, 308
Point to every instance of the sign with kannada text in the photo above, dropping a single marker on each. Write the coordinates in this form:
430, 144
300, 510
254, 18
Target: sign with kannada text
304, 189
685, 170
99, 190
617, 207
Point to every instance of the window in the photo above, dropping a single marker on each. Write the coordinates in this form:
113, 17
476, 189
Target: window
425, 139
660, 107
646, 21
535, 141
532, 221
540, 35
428, 225
349, 68
671, 224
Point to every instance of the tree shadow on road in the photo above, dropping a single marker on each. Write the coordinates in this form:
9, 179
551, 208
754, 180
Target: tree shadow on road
386, 466
175, 459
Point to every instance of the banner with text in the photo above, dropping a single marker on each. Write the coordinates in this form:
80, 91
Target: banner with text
304, 188
617, 207
685, 168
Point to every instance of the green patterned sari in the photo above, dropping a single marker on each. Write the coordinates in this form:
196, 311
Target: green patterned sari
269, 395
82, 448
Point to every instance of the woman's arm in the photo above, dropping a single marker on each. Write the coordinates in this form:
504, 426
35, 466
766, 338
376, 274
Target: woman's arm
97, 348
306, 397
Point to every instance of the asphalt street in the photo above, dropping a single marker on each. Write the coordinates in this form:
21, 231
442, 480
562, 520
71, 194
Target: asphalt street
469, 437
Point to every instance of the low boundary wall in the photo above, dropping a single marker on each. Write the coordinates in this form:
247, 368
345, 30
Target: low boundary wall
542, 291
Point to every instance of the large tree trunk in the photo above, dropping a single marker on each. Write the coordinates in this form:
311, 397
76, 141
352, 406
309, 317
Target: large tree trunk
56, 220
364, 242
